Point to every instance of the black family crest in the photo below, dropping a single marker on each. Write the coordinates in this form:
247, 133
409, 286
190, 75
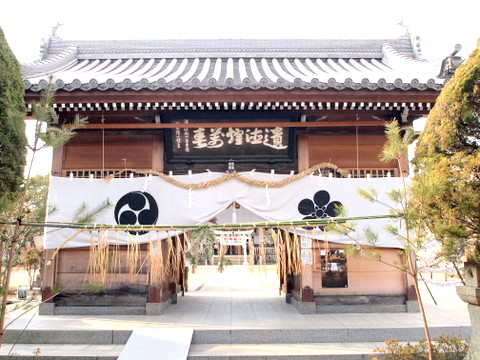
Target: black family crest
320, 208
136, 208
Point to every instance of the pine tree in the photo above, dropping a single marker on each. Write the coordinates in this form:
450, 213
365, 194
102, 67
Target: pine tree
448, 158
46, 135
448, 163
12, 127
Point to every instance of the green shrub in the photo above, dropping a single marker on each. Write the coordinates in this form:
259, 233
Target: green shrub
445, 347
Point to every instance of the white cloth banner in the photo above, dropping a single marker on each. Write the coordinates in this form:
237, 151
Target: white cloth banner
152, 200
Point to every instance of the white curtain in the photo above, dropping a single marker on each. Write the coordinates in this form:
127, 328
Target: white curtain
179, 206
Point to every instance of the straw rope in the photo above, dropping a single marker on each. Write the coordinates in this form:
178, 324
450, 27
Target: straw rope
91, 259
178, 256
297, 257
234, 174
133, 255
117, 261
222, 253
289, 255
278, 253
155, 260
99, 260
262, 251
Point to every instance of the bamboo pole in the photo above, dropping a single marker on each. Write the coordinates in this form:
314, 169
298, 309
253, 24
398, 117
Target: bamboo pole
265, 224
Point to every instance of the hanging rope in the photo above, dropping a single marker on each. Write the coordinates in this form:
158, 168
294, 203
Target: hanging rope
262, 251
226, 177
133, 257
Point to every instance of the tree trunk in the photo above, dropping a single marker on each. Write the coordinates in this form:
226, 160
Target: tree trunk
6, 282
426, 330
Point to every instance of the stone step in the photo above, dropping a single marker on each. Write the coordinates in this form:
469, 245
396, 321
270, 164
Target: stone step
60, 352
305, 351
237, 336
324, 335
308, 351
155, 343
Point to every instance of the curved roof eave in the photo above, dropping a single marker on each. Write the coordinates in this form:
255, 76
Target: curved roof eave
229, 64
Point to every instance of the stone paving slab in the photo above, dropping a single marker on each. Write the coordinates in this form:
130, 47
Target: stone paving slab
237, 299
231, 308
201, 352
335, 351
60, 351
49, 336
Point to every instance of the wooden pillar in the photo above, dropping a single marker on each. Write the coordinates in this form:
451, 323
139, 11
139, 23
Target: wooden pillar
154, 294
303, 155
57, 161
157, 153
48, 278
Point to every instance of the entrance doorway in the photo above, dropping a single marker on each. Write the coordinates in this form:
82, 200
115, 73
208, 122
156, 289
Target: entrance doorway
240, 281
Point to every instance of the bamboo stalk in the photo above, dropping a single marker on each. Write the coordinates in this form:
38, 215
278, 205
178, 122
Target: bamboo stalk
283, 224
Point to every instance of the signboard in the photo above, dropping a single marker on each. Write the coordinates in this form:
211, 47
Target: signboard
305, 242
306, 256
233, 238
228, 142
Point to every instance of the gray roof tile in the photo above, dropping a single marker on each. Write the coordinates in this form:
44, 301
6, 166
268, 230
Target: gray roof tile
231, 63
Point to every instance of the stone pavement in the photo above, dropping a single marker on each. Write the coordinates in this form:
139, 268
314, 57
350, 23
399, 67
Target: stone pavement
242, 300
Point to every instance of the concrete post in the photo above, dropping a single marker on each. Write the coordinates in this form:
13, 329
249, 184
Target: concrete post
470, 293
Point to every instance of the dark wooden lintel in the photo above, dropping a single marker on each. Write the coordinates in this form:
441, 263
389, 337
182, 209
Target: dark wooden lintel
238, 96
319, 124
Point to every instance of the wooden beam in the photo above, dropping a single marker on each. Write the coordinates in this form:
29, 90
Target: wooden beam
285, 124
238, 96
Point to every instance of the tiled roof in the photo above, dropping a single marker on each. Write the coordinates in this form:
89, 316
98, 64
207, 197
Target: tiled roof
236, 64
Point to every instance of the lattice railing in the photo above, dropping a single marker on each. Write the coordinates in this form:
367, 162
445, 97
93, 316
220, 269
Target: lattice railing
354, 173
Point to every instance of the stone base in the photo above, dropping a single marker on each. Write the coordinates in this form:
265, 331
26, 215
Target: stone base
99, 310
156, 308
360, 309
364, 304
469, 294
412, 306
304, 307
148, 309
474, 349
47, 309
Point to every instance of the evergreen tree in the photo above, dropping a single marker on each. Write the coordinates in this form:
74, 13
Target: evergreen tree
448, 162
12, 128
410, 230
46, 135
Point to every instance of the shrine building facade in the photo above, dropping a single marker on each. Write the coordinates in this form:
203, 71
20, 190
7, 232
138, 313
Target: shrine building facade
189, 132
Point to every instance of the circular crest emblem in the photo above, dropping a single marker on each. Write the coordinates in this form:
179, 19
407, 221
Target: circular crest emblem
136, 208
